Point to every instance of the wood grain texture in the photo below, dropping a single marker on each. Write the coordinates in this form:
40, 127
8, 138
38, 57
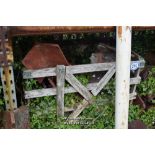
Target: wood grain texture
47, 72
60, 70
104, 81
135, 80
78, 86
78, 110
52, 91
76, 69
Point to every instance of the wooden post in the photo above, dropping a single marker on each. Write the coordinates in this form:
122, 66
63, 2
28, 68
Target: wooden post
60, 70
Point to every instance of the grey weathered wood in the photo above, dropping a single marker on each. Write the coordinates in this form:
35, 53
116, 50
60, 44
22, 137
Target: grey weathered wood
76, 69
52, 91
104, 81
69, 109
71, 89
60, 70
133, 88
30, 74
132, 96
135, 80
78, 110
78, 86
40, 93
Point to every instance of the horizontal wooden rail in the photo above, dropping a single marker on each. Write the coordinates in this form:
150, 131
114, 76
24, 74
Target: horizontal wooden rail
53, 91
30, 74
76, 69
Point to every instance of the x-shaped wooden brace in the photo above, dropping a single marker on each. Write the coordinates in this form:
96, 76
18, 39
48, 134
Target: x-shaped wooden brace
88, 97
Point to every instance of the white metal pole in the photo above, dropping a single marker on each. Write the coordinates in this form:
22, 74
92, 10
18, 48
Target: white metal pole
123, 59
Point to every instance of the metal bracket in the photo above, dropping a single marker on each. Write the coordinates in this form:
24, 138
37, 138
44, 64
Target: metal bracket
7, 77
6, 71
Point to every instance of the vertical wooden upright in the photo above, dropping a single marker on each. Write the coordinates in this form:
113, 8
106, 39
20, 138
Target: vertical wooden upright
60, 89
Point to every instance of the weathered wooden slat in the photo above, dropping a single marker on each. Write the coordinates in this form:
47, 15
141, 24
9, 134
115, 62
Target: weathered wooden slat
78, 110
30, 74
104, 81
40, 93
78, 86
133, 88
52, 91
76, 69
68, 109
132, 96
60, 70
135, 80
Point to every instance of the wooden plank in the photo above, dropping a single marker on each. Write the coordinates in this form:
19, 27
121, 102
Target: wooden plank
60, 70
78, 110
71, 89
68, 109
49, 92
40, 93
104, 81
30, 74
52, 91
135, 80
132, 96
78, 86
76, 69
133, 88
